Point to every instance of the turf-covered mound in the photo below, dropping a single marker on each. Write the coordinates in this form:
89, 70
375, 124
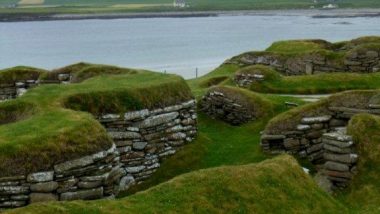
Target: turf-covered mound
20, 73
278, 185
51, 123
81, 71
365, 188
300, 57
235, 105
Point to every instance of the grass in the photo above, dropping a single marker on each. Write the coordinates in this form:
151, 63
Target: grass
53, 122
111, 6
273, 186
20, 73
364, 193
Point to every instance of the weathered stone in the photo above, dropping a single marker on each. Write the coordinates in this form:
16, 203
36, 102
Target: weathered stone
12, 204
42, 197
337, 136
136, 114
68, 165
44, 187
158, 120
340, 144
272, 137
343, 158
139, 145
89, 184
124, 135
314, 134
135, 169
20, 197
336, 149
13, 190
312, 120
40, 177
83, 194
303, 127
177, 136
12, 178
126, 182
330, 165
115, 175
65, 186
372, 54
338, 174
314, 148
317, 126
290, 143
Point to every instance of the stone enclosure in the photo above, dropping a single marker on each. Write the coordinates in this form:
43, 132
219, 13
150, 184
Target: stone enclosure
233, 105
141, 140
360, 61
321, 137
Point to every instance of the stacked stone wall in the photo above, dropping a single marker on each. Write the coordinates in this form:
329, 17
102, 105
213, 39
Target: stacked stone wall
141, 140
357, 62
224, 107
323, 140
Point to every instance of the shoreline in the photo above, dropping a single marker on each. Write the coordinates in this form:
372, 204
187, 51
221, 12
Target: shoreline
313, 13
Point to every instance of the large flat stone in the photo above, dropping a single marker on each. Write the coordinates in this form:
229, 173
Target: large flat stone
330, 165
83, 195
133, 115
319, 119
158, 120
40, 177
68, 165
44, 187
343, 158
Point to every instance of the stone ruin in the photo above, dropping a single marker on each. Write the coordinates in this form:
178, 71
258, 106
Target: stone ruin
358, 61
246, 79
142, 139
322, 139
226, 107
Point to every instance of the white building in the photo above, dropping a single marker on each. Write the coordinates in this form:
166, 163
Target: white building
330, 6
179, 3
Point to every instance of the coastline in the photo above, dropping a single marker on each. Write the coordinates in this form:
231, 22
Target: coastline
313, 13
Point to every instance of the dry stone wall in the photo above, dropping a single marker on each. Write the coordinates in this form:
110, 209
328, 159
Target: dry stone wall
324, 141
224, 107
13, 90
355, 61
246, 79
90, 177
141, 140
18, 88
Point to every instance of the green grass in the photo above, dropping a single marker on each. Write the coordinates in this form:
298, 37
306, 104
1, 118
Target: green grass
273, 186
20, 73
364, 193
98, 6
53, 122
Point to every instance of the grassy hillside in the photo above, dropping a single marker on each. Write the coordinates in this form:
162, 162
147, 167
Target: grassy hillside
53, 122
273, 186
98, 6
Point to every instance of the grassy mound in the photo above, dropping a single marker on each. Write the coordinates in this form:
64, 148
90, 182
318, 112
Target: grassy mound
52, 123
20, 73
273, 186
82, 71
364, 193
